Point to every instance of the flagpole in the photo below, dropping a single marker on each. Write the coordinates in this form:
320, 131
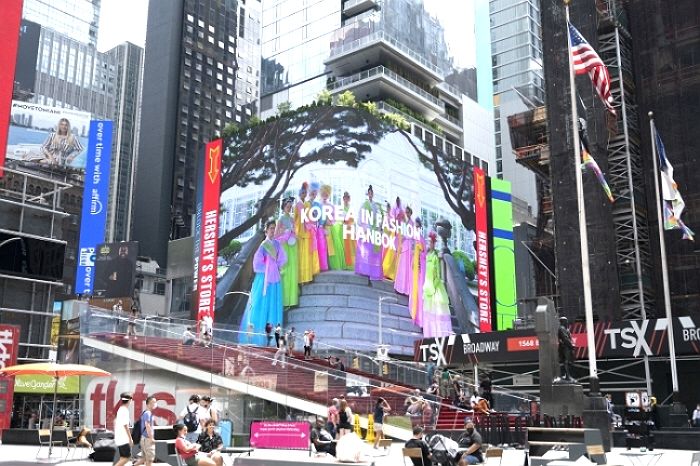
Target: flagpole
583, 229
664, 265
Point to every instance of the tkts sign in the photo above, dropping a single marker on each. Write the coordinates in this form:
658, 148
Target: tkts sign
9, 338
627, 339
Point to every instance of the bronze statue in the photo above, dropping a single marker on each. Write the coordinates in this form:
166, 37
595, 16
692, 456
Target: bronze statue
566, 349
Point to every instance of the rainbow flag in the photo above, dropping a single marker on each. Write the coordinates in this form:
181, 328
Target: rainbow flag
589, 163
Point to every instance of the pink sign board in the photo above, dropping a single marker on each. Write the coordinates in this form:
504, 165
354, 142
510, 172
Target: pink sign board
286, 435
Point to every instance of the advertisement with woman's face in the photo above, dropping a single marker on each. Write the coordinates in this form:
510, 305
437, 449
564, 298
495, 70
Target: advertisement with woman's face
48, 136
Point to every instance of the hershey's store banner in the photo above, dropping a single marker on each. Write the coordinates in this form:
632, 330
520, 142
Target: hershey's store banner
626, 339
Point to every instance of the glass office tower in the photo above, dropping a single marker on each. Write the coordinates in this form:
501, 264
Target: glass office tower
77, 19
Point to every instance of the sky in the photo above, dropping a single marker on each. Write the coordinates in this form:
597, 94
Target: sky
457, 17
122, 21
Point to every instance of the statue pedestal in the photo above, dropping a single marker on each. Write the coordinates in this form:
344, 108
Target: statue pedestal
566, 400
595, 416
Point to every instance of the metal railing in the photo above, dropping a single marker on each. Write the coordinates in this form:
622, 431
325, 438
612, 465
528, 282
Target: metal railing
383, 71
381, 36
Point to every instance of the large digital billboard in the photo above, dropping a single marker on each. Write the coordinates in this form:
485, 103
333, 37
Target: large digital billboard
332, 220
9, 37
44, 135
31, 257
115, 267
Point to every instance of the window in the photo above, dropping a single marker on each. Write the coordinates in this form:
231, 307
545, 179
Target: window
190, 18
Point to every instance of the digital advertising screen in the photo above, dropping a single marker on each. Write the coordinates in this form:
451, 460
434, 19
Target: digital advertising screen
39, 134
335, 221
115, 267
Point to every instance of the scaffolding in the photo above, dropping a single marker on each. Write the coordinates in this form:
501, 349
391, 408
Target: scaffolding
625, 173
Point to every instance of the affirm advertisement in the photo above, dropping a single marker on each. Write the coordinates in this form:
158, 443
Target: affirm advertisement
51, 136
329, 220
95, 195
627, 339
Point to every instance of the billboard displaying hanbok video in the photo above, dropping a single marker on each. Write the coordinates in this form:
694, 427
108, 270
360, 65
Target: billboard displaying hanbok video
335, 221
44, 135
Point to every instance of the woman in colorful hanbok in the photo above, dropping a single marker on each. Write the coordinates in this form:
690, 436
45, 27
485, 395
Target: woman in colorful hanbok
307, 246
287, 237
391, 255
319, 234
415, 295
348, 240
368, 257
437, 321
334, 229
265, 303
404, 274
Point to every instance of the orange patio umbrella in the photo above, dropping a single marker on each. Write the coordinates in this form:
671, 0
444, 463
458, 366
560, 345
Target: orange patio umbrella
54, 370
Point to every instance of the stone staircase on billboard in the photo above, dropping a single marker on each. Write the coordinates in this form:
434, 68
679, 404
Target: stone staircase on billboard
343, 308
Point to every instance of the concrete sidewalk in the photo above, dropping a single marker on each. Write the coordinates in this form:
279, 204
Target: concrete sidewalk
23, 455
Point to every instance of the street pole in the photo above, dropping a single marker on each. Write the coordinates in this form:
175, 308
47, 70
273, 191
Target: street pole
664, 265
585, 267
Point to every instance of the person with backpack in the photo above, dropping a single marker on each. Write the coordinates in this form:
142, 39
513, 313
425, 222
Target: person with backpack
122, 432
191, 418
142, 433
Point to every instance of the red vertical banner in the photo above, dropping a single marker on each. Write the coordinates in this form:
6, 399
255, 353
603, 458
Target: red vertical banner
9, 38
482, 250
209, 234
9, 342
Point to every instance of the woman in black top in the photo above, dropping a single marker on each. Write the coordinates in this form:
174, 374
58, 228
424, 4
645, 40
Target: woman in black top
345, 417
210, 442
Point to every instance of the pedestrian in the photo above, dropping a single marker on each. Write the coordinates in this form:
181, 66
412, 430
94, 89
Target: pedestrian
281, 353
122, 432
268, 333
312, 336
333, 418
418, 442
445, 383
470, 442
344, 419
278, 334
381, 408
191, 418
210, 412
696, 416
307, 348
291, 336
148, 444
131, 329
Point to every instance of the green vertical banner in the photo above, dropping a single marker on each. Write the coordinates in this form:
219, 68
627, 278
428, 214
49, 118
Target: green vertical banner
503, 255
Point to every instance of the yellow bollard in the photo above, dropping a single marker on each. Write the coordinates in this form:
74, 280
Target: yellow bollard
356, 424
370, 428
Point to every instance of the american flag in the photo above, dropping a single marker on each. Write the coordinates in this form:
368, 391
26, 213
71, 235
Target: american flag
586, 60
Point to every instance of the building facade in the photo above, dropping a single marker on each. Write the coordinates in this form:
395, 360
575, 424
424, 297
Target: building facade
77, 19
201, 71
127, 59
516, 57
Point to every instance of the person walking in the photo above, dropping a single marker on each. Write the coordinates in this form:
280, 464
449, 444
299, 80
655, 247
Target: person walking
696, 416
122, 432
281, 353
148, 444
290, 337
381, 408
191, 416
307, 348
333, 418
345, 419
312, 337
278, 334
268, 332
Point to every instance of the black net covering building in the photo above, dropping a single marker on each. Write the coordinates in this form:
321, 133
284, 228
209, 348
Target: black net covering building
652, 50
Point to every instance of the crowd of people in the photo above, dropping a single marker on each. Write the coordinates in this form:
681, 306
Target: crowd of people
389, 245
197, 442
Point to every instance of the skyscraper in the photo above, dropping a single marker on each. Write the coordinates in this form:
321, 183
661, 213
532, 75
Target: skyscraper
77, 19
201, 71
128, 62
516, 56
407, 56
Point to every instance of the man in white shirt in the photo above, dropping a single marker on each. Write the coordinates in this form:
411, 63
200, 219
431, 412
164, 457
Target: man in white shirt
122, 432
191, 417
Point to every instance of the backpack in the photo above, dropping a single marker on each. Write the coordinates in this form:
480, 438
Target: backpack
136, 430
190, 420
